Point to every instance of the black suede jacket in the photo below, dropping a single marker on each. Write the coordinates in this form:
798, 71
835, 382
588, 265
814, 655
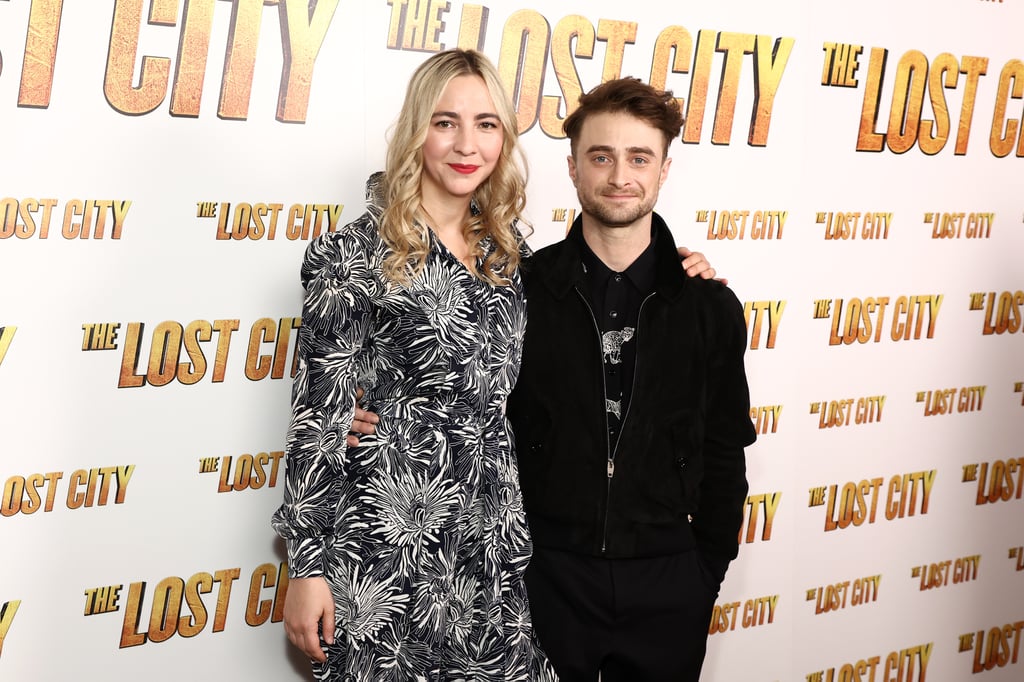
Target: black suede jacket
679, 454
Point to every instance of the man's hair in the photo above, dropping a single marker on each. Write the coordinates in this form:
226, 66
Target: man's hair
630, 96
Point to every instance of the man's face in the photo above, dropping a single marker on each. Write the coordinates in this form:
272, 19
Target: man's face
618, 168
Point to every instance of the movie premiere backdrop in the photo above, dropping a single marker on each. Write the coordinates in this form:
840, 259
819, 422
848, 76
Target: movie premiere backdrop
853, 168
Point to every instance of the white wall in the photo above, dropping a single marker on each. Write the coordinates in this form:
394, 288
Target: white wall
127, 486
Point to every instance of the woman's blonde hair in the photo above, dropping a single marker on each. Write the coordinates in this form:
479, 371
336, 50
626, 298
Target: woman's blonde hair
500, 199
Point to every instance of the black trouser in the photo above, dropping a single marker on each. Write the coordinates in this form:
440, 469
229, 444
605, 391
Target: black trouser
632, 620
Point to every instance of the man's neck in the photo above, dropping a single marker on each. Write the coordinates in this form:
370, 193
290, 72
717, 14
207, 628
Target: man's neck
617, 247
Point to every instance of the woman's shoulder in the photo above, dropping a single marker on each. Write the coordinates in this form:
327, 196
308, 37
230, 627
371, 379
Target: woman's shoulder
510, 234
363, 231
357, 236
353, 247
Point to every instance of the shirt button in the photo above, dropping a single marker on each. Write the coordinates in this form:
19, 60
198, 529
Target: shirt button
613, 314
617, 278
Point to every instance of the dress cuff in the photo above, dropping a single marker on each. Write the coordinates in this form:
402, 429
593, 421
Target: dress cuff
305, 557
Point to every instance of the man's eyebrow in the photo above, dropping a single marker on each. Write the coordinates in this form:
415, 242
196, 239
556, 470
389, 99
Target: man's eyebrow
605, 148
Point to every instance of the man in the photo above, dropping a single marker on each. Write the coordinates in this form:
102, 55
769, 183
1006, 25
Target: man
630, 413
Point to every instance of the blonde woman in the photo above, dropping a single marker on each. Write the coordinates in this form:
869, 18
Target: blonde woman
406, 553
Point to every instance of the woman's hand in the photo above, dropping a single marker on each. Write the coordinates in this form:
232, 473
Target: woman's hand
308, 611
695, 264
362, 423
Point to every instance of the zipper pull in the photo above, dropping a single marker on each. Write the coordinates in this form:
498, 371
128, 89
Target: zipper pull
611, 468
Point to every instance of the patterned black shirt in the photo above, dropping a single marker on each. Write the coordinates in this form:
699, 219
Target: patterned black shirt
615, 298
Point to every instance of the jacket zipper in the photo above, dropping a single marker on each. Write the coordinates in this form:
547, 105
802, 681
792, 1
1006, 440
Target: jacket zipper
611, 451
636, 361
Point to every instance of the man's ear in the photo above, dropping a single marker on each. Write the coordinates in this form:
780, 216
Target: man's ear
572, 168
664, 171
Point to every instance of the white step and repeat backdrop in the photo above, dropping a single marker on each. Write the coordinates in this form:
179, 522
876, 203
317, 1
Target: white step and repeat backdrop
854, 168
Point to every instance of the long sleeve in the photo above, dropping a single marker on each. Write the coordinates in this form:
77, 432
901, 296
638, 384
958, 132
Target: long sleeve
728, 430
336, 316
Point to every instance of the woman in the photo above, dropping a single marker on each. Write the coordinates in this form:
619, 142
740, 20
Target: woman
407, 552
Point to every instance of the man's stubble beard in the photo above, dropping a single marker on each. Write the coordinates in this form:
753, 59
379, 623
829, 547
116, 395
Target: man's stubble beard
611, 217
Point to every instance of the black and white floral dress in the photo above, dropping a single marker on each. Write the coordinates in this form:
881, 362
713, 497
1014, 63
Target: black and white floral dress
419, 531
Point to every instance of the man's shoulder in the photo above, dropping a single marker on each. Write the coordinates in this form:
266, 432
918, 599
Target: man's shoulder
550, 251
541, 259
712, 291
715, 303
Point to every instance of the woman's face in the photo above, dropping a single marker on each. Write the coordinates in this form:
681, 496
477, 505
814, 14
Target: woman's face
463, 143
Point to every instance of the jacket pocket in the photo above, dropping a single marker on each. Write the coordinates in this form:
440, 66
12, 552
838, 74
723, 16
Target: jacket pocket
687, 451
532, 431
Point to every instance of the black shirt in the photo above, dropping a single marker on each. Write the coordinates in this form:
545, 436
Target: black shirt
615, 299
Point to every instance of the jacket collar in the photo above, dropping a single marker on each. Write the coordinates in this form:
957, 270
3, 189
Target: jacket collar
566, 269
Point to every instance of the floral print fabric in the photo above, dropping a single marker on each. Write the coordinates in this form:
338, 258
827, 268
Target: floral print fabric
419, 531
